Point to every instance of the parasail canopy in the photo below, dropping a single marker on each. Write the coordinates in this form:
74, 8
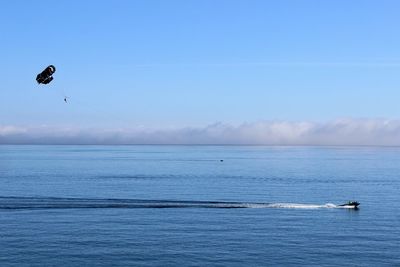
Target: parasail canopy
46, 75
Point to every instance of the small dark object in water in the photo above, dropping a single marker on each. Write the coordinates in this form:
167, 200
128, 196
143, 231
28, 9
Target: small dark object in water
351, 203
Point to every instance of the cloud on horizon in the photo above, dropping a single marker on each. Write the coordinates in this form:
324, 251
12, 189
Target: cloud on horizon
379, 132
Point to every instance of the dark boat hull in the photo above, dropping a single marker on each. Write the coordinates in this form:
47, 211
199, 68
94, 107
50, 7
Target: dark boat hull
351, 204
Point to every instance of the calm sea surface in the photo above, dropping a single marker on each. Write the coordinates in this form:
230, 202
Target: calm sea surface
199, 206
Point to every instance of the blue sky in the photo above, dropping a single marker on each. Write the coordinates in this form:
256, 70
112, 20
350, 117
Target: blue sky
177, 64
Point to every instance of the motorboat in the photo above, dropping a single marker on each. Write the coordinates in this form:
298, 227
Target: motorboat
351, 204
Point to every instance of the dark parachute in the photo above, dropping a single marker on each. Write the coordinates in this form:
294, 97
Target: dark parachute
46, 76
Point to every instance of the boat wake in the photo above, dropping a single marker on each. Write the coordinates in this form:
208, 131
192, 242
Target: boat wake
29, 203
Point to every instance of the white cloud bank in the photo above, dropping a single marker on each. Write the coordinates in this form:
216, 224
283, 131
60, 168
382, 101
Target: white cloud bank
379, 132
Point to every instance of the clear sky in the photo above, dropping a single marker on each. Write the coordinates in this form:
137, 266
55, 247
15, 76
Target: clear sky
174, 64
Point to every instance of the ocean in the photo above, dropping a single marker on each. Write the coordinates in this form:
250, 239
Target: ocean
199, 206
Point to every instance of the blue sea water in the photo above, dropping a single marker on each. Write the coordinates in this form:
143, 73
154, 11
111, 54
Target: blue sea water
199, 206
